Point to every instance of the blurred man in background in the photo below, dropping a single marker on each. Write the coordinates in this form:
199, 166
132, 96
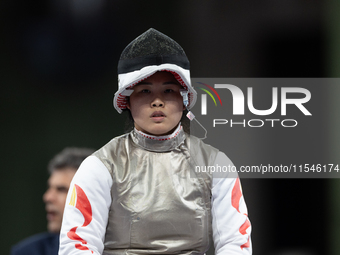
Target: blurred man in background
61, 169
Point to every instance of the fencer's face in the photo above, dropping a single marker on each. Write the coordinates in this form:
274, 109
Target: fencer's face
55, 197
156, 104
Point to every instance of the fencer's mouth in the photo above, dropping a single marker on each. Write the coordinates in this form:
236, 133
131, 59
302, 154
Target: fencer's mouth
157, 114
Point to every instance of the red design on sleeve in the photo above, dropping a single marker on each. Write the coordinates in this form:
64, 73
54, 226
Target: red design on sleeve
84, 206
236, 195
245, 245
244, 227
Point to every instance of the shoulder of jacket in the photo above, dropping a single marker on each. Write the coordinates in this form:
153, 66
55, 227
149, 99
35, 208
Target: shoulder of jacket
114, 142
108, 153
194, 144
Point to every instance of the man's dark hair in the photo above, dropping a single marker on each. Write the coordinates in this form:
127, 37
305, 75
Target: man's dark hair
69, 157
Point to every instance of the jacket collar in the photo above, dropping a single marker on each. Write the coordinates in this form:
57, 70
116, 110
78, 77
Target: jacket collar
159, 143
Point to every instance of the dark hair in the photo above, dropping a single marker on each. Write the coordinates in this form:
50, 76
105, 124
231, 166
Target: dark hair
69, 157
129, 122
185, 122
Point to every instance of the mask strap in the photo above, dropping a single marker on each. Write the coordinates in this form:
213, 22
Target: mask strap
190, 115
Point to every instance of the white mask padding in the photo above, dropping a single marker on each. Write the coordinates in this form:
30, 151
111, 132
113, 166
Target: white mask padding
127, 92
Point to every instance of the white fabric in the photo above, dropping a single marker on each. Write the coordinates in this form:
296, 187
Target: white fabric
95, 180
127, 79
226, 220
93, 177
